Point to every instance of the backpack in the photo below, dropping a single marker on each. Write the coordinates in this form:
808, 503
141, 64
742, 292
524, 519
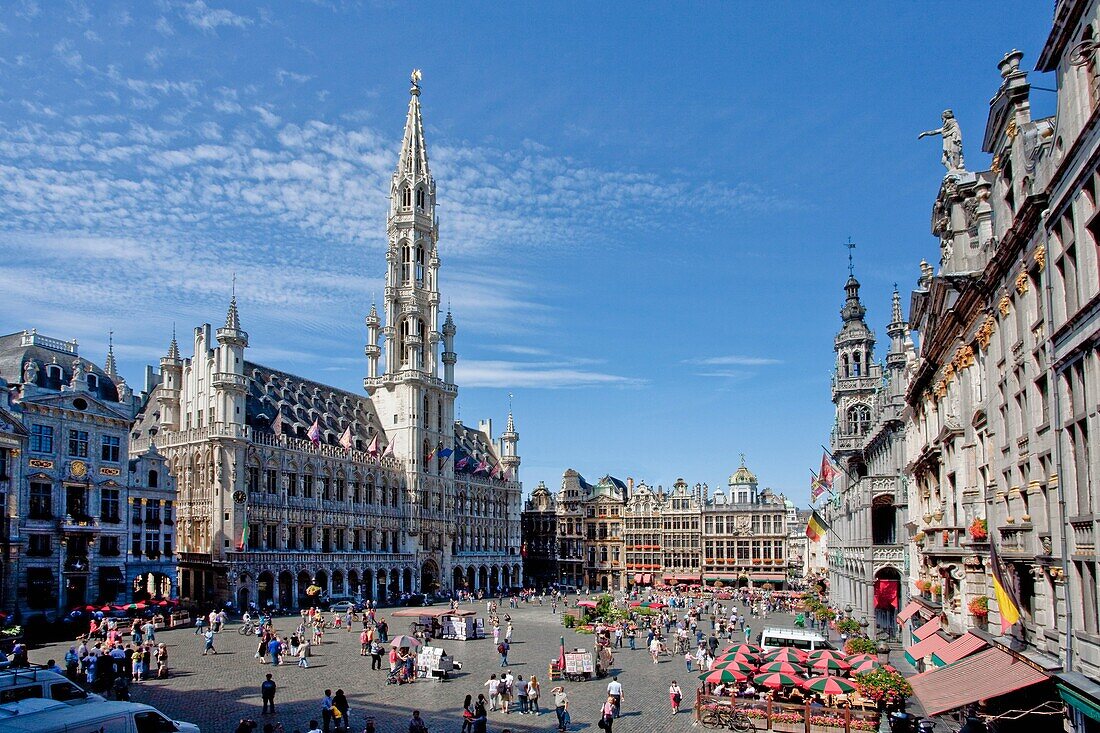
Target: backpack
502, 687
500, 648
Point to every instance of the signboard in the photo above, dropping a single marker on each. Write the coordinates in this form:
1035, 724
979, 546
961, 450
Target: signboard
579, 662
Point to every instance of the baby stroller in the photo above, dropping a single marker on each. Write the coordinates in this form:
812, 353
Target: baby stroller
399, 676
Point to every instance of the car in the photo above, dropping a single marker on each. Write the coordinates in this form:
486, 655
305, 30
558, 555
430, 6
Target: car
415, 599
341, 604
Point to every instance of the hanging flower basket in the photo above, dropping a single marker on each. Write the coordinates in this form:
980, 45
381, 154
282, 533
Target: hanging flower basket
978, 606
979, 530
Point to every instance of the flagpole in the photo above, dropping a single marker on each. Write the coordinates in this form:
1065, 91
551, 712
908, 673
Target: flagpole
829, 528
837, 464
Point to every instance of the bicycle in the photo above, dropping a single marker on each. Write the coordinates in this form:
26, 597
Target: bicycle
246, 629
741, 723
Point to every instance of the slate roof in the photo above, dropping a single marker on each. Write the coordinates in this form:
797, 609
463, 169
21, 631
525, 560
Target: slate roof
14, 355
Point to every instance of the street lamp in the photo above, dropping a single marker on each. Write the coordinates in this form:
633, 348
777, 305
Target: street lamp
848, 608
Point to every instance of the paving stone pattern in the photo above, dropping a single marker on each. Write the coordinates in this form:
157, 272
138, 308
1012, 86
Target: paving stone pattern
216, 691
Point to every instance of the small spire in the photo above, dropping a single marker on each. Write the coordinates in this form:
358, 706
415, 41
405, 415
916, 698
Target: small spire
232, 318
896, 311
173, 348
110, 368
851, 266
414, 151
511, 427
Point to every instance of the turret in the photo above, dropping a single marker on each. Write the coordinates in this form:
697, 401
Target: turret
168, 395
896, 330
372, 350
229, 382
449, 355
509, 457
109, 367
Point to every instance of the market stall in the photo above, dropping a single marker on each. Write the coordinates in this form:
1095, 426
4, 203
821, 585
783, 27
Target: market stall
434, 662
443, 623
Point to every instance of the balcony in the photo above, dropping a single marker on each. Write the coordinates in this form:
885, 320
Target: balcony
946, 542
229, 380
77, 523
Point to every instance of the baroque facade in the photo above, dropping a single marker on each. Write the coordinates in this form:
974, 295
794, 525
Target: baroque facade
615, 535
290, 489
85, 521
868, 508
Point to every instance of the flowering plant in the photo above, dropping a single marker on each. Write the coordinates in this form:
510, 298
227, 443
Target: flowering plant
883, 686
848, 626
936, 589
978, 606
979, 530
859, 645
923, 585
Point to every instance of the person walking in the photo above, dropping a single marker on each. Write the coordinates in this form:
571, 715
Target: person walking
493, 686
607, 715
326, 711
417, 725
502, 650
675, 696
468, 714
615, 692
521, 694
534, 689
208, 646
375, 654
340, 710
480, 717
561, 707
267, 694
274, 647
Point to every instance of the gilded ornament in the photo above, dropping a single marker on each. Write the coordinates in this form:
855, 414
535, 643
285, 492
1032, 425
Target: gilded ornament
1041, 257
1011, 131
964, 357
985, 331
1022, 282
995, 166
941, 389
1005, 305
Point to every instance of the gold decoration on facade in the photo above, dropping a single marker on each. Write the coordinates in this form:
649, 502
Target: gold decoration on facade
964, 357
985, 331
995, 166
1041, 257
1022, 282
1011, 130
941, 389
948, 372
1004, 305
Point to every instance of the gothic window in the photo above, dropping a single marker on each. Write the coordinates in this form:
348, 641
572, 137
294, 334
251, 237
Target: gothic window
859, 419
406, 197
406, 263
420, 199
856, 371
420, 263
403, 332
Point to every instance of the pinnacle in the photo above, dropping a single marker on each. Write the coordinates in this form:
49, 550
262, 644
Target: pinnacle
232, 318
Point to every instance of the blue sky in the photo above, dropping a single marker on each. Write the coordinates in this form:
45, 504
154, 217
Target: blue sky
642, 205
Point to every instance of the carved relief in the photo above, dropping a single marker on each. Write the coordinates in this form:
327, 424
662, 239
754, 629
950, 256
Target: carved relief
1011, 130
1041, 257
1022, 282
985, 331
1004, 305
964, 357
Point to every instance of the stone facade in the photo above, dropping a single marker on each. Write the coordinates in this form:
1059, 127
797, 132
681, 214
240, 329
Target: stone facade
84, 521
291, 489
867, 509
614, 535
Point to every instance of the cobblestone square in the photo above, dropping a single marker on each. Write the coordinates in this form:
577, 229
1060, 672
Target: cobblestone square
216, 691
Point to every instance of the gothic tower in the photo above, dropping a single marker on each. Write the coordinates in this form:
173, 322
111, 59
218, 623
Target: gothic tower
857, 376
415, 405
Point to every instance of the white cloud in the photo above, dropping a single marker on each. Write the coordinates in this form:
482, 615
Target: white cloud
474, 373
268, 117
283, 76
733, 360
67, 53
205, 18
163, 27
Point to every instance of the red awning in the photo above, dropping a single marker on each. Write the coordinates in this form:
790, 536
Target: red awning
981, 676
886, 593
931, 645
637, 577
928, 629
910, 608
647, 578
964, 646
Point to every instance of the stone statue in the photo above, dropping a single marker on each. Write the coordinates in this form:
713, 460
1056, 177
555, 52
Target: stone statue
30, 372
952, 142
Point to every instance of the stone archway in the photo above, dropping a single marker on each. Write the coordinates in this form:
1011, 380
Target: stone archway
394, 587
337, 583
354, 588
516, 575
483, 579
494, 579
887, 597
320, 579
407, 577
303, 584
382, 587
429, 577
471, 578
459, 581
286, 589
367, 586
265, 590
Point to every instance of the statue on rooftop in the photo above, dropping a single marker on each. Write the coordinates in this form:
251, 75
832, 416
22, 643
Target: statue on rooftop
952, 142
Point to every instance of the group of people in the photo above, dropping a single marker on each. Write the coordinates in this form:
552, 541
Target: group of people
509, 693
110, 667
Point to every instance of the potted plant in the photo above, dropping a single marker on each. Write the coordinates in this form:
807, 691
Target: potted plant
935, 589
859, 645
923, 586
919, 538
978, 606
979, 530
888, 689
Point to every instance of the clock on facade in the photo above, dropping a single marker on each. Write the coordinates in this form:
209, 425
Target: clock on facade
78, 468
239, 496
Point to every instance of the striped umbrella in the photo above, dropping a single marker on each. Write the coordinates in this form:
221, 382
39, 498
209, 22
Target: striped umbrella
829, 653
866, 666
746, 658
748, 648
736, 664
831, 665
782, 668
786, 654
776, 680
860, 659
717, 676
829, 685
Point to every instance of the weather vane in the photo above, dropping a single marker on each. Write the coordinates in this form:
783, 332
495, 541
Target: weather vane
416, 77
851, 267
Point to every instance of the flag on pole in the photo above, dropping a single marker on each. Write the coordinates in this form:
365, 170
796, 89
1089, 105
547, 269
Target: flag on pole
277, 423
345, 439
446, 453
461, 463
388, 451
816, 488
1006, 598
496, 472
816, 527
314, 433
373, 447
482, 466
244, 536
829, 471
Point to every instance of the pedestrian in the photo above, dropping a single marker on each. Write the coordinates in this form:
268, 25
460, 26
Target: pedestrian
507, 683
480, 716
303, 654
416, 725
493, 686
267, 694
534, 689
687, 661
375, 654
209, 645
675, 695
326, 711
607, 715
521, 694
468, 714
364, 642
615, 692
748, 633
502, 650
274, 647
561, 707
313, 727
340, 710
200, 621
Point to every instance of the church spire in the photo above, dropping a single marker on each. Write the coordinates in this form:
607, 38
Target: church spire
173, 348
110, 368
414, 151
897, 330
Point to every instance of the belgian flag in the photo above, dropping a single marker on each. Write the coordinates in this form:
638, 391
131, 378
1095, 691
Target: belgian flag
1007, 602
816, 527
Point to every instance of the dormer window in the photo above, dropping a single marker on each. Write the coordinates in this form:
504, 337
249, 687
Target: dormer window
93, 382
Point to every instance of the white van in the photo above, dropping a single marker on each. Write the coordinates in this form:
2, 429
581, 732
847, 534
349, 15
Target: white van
106, 717
21, 684
804, 639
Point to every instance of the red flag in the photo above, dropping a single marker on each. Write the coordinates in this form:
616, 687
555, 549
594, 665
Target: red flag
496, 472
389, 449
277, 423
828, 472
373, 447
345, 439
482, 466
314, 433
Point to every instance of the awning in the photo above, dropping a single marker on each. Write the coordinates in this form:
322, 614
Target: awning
637, 577
647, 578
910, 608
922, 649
1080, 693
964, 646
768, 576
981, 676
929, 628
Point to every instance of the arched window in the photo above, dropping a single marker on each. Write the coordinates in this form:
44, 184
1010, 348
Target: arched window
856, 364
93, 382
845, 368
420, 263
420, 199
859, 419
402, 341
406, 197
406, 263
